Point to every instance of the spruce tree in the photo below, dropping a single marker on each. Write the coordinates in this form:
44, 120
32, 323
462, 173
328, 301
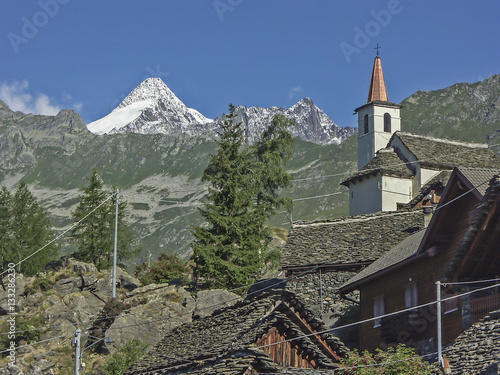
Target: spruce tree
95, 217
30, 231
231, 250
6, 250
271, 152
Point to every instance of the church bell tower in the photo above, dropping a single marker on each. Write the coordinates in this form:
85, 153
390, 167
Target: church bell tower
378, 119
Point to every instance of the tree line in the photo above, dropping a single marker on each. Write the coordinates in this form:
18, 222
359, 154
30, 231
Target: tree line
25, 228
229, 250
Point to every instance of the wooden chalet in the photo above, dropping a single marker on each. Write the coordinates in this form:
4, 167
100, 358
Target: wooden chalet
461, 244
272, 332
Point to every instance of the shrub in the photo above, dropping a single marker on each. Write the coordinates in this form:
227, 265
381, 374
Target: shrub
169, 267
119, 362
394, 361
40, 283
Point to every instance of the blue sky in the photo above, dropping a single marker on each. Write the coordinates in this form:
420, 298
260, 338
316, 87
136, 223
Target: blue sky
88, 55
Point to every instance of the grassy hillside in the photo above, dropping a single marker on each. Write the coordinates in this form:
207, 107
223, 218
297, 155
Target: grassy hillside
467, 112
160, 176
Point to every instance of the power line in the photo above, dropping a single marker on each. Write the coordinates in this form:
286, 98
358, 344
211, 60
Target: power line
207, 307
345, 326
62, 234
34, 343
310, 270
390, 165
380, 316
318, 196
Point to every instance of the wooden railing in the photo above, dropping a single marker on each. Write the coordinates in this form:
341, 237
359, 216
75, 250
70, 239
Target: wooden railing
480, 307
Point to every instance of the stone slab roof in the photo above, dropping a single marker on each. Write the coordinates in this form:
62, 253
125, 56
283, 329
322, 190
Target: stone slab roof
476, 350
447, 154
386, 162
346, 240
225, 341
402, 251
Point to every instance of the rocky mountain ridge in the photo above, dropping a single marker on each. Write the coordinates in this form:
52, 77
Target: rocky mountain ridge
311, 123
160, 175
152, 108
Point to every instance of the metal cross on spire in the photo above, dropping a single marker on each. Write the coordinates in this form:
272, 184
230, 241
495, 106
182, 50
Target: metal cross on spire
377, 48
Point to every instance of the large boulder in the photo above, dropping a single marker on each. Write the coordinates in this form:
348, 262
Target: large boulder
157, 310
19, 283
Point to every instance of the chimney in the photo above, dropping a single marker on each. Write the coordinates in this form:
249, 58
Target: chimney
428, 211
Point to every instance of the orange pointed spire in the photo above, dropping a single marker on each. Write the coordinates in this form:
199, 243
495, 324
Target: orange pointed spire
378, 90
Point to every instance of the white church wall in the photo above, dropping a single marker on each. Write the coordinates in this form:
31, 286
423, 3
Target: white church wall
376, 138
424, 175
365, 196
395, 190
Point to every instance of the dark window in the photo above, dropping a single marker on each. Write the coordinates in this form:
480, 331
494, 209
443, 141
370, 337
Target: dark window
387, 122
411, 294
378, 309
366, 123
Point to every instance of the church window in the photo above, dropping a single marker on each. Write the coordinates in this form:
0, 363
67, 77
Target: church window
365, 121
387, 122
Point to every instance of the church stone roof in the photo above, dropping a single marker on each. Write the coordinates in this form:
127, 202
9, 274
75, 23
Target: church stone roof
225, 342
348, 240
430, 152
446, 154
385, 162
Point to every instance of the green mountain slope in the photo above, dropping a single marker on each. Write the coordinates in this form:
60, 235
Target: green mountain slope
465, 111
160, 176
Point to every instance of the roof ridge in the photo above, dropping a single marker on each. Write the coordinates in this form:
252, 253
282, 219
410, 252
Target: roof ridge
442, 140
353, 219
478, 169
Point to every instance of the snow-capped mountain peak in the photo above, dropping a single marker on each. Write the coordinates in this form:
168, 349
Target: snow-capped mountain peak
311, 123
151, 108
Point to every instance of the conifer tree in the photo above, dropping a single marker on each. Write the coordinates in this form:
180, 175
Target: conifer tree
94, 233
231, 251
30, 231
6, 250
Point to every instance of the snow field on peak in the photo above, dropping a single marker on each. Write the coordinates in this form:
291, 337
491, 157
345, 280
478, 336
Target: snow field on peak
119, 117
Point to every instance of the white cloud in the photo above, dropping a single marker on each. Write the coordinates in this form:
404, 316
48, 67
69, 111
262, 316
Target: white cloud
17, 96
293, 92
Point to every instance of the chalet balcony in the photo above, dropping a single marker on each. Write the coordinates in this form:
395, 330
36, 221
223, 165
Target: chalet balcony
480, 307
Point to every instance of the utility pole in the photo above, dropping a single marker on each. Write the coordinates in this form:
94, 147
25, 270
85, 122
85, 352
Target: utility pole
76, 341
117, 201
439, 338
